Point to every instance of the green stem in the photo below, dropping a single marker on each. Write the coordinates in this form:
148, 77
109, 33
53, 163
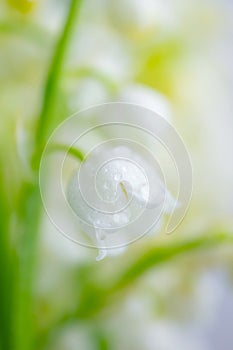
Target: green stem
54, 74
74, 152
85, 72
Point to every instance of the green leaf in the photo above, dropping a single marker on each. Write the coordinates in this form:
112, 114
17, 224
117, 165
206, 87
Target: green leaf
96, 296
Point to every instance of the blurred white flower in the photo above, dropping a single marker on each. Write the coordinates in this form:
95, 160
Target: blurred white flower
88, 92
103, 51
111, 189
50, 14
147, 97
142, 16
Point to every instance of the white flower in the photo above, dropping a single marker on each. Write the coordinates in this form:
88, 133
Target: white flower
147, 97
142, 16
118, 196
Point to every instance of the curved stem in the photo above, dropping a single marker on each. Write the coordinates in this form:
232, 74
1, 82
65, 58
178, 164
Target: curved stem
81, 72
152, 257
95, 297
161, 254
54, 73
74, 152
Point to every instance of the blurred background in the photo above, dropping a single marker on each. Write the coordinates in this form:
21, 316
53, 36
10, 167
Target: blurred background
165, 292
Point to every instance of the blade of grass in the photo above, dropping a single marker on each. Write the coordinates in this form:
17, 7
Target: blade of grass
29, 199
6, 272
28, 223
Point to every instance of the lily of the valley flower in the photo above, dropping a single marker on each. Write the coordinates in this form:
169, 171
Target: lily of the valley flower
117, 191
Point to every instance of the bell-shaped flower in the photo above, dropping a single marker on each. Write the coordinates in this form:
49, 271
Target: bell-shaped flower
118, 192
